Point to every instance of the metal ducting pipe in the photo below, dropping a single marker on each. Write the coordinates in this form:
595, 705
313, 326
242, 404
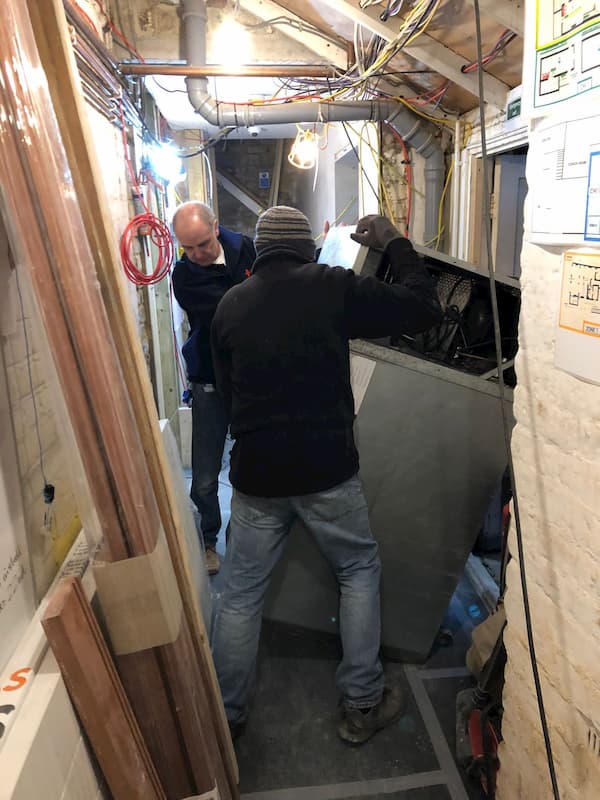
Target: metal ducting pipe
417, 133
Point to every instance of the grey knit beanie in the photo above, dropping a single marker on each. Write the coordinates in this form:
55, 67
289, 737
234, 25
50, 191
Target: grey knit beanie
286, 227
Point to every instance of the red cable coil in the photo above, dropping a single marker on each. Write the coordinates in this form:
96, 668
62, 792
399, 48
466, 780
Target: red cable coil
147, 224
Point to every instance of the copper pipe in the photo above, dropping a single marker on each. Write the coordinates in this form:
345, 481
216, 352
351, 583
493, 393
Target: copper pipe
217, 70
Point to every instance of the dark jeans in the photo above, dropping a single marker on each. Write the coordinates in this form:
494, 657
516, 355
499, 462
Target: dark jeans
209, 429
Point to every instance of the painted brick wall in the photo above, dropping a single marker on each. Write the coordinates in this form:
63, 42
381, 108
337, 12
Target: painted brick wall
556, 446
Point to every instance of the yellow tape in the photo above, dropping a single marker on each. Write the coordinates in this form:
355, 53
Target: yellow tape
140, 600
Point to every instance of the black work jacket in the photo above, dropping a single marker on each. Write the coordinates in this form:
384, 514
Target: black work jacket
198, 291
281, 356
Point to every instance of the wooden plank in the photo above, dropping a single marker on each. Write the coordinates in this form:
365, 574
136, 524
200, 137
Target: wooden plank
46, 239
53, 41
52, 244
476, 238
98, 695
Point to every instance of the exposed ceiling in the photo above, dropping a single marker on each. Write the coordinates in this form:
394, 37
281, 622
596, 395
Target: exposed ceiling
430, 65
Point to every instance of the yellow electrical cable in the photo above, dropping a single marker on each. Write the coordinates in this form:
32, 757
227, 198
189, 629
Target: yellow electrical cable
425, 24
341, 214
391, 165
437, 120
386, 54
467, 133
386, 199
441, 207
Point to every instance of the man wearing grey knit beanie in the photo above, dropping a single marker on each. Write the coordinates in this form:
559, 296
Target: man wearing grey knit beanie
281, 357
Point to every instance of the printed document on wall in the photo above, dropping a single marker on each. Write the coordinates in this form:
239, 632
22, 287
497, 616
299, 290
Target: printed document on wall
559, 179
592, 211
567, 51
577, 348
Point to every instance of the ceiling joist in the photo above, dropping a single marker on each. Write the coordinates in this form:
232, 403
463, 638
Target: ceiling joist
427, 50
327, 51
510, 13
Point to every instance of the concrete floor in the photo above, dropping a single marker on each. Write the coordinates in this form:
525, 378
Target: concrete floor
290, 750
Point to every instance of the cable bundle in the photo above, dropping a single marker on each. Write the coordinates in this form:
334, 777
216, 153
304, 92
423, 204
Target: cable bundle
147, 224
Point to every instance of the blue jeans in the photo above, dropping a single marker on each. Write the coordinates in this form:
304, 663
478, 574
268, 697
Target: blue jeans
209, 429
338, 519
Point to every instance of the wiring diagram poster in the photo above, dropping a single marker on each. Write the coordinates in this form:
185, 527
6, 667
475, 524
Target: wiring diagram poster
577, 348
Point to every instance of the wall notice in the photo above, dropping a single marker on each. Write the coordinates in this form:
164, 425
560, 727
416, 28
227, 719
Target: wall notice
563, 180
592, 211
577, 348
567, 50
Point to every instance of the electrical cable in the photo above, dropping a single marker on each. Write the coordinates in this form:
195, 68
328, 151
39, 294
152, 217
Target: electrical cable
505, 39
362, 169
209, 182
441, 206
302, 27
143, 225
505, 421
146, 225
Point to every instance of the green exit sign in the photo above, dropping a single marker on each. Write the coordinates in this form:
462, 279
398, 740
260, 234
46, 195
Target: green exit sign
513, 109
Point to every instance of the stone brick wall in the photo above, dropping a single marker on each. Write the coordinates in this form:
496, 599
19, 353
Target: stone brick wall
243, 160
556, 446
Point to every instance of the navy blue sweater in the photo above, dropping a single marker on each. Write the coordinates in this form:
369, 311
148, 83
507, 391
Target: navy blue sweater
281, 355
198, 291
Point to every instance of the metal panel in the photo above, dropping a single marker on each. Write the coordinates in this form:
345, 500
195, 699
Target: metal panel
432, 453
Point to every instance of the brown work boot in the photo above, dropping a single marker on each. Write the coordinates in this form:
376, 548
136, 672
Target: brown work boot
358, 725
213, 564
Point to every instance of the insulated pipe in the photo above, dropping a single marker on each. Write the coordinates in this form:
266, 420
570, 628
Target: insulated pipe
417, 133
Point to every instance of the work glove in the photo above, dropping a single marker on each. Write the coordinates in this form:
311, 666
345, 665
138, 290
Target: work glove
375, 231
379, 233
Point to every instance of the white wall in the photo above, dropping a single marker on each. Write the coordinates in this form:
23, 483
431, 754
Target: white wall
556, 446
319, 197
46, 755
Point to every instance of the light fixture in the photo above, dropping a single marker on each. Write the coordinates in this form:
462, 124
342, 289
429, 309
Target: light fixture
164, 162
305, 150
232, 42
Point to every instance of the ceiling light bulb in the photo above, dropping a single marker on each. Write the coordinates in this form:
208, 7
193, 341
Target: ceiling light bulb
232, 41
305, 149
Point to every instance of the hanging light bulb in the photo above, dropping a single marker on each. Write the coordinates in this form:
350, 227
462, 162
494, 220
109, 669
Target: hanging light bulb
305, 150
